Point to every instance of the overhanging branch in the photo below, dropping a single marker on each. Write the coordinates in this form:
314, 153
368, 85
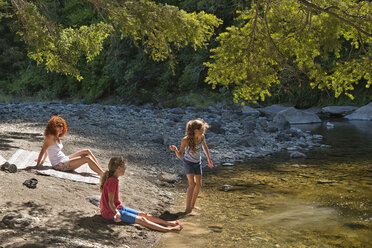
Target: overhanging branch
327, 10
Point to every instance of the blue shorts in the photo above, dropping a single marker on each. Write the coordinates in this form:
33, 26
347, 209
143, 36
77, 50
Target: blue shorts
192, 168
128, 215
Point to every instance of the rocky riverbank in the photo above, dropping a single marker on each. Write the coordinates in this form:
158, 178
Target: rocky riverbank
142, 134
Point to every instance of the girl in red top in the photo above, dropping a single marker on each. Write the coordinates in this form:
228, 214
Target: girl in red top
112, 209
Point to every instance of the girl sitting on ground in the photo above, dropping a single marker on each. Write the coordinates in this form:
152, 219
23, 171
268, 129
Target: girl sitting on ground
112, 209
52, 147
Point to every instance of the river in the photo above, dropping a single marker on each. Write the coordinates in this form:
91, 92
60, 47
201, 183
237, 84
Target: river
324, 200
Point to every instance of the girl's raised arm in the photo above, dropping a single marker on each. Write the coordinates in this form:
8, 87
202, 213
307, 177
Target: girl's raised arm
179, 152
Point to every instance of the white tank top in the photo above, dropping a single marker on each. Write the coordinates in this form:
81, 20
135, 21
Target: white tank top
55, 153
193, 157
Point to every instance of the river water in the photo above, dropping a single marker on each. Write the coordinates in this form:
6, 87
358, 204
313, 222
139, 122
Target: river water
324, 200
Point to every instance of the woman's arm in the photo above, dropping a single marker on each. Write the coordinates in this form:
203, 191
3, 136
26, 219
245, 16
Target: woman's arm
180, 152
117, 216
48, 141
206, 151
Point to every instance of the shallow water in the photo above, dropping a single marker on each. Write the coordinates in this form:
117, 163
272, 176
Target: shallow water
322, 201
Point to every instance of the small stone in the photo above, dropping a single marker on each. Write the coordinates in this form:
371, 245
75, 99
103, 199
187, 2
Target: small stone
226, 188
94, 199
324, 182
226, 164
167, 177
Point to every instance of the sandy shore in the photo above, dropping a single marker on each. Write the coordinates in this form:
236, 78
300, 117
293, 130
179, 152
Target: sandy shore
64, 217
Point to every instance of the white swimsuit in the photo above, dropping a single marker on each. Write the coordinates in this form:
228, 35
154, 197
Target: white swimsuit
55, 153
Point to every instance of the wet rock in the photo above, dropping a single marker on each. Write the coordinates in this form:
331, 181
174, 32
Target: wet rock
322, 181
227, 164
272, 110
357, 225
338, 111
227, 188
297, 154
329, 125
216, 228
363, 113
166, 177
296, 116
19, 220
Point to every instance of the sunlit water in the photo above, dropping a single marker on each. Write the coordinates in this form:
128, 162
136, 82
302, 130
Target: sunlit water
322, 201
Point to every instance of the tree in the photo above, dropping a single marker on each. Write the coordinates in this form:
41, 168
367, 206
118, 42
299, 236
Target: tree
159, 28
329, 42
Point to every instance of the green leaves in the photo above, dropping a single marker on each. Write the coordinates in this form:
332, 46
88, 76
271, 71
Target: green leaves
60, 48
307, 37
159, 28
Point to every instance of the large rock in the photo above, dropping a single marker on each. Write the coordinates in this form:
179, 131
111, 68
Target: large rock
363, 113
250, 111
339, 111
272, 110
295, 116
19, 220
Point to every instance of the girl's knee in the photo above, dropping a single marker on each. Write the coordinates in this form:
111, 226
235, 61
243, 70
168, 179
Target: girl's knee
192, 184
142, 214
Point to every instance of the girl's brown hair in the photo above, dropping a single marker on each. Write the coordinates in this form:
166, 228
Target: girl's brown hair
114, 163
51, 127
191, 126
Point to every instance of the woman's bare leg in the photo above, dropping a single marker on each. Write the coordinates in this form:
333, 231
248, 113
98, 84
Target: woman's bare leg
79, 161
84, 153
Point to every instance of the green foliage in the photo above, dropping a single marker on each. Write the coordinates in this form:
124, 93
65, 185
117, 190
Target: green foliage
276, 49
298, 36
59, 48
159, 28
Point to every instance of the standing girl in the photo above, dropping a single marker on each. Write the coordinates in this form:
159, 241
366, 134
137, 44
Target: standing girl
52, 147
191, 145
112, 209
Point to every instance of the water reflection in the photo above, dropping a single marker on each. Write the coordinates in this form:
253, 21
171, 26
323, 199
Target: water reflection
322, 201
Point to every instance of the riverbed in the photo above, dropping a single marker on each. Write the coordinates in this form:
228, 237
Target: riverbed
324, 200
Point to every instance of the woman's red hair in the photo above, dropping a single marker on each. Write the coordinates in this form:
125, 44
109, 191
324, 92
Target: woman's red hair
51, 128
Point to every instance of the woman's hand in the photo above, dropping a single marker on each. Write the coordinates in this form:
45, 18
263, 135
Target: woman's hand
117, 217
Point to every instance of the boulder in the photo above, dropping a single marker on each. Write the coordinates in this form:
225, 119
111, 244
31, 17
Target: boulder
272, 110
363, 113
280, 122
338, 111
295, 116
246, 110
297, 154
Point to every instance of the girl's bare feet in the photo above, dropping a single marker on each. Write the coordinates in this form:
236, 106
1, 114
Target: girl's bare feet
197, 208
173, 223
191, 213
177, 228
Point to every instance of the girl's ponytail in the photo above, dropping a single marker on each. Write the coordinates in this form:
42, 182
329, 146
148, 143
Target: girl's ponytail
114, 163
